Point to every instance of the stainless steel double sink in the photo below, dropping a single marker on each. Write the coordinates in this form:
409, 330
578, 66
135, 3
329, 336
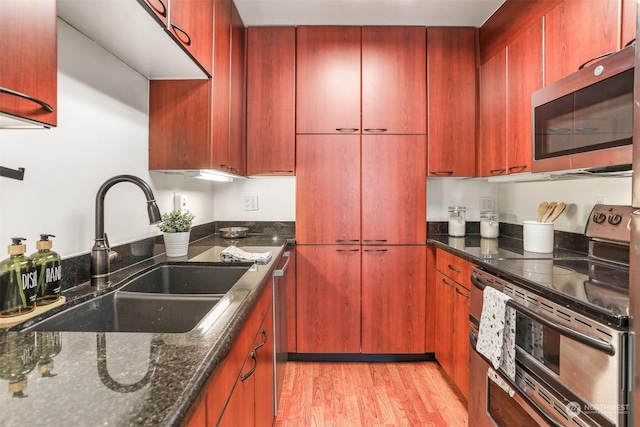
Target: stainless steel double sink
168, 298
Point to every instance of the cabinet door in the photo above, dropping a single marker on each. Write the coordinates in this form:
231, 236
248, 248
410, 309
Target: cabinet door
444, 322
29, 64
394, 94
394, 189
178, 124
328, 306
160, 9
271, 53
451, 101
328, 189
524, 65
264, 406
192, 25
240, 409
629, 17
461, 339
577, 31
290, 285
493, 116
328, 80
393, 299
220, 123
237, 140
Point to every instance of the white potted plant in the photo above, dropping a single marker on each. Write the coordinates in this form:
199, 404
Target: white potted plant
176, 227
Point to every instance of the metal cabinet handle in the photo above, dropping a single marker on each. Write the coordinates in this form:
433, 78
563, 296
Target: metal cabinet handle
253, 368
377, 130
264, 339
447, 283
161, 11
280, 272
596, 343
43, 104
347, 129
597, 57
347, 250
517, 168
347, 240
176, 29
446, 173
374, 250
375, 240
280, 171
453, 268
497, 171
463, 294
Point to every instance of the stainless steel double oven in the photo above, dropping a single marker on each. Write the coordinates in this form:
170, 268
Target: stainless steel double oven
572, 366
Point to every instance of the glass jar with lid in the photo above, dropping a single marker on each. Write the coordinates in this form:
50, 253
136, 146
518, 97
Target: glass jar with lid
489, 224
457, 221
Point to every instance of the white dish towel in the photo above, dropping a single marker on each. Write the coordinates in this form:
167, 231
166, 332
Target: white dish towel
497, 333
233, 253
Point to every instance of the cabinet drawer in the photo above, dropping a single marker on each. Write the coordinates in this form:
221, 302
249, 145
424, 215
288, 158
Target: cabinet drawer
454, 267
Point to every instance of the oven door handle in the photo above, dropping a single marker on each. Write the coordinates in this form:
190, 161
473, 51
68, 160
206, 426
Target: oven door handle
473, 338
596, 343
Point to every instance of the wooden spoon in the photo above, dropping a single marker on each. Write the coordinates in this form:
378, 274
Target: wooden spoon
542, 208
556, 212
549, 211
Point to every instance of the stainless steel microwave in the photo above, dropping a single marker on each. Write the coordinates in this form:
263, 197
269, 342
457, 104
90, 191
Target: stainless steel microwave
585, 120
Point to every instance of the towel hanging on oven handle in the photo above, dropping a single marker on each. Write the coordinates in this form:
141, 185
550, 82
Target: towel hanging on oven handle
596, 343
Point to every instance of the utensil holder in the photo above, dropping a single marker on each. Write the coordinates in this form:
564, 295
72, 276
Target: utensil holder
538, 236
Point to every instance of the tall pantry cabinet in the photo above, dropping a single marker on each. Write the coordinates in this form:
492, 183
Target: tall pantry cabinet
361, 189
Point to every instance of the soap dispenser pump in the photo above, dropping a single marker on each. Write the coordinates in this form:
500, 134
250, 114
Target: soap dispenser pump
49, 271
18, 281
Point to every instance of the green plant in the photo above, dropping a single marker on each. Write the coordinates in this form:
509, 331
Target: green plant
176, 222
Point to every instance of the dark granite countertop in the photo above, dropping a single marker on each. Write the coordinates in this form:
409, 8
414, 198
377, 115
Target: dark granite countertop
124, 379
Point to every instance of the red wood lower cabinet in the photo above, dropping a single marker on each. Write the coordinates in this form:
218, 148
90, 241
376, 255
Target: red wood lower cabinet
328, 299
393, 299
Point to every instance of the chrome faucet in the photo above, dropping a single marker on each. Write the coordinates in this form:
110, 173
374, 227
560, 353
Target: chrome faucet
101, 253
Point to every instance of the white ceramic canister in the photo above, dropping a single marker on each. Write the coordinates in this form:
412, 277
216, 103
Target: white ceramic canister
537, 236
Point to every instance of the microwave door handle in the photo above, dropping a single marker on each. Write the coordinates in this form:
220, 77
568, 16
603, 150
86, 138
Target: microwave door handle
473, 339
596, 343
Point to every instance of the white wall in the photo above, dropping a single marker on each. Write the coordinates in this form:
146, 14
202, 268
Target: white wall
102, 131
445, 192
276, 199
519, 201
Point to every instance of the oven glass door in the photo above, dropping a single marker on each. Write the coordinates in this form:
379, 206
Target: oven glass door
504, 410
540, 342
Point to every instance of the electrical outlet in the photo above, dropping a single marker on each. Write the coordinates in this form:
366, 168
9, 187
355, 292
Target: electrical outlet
250, 203
599, 200
487, 203
179, 202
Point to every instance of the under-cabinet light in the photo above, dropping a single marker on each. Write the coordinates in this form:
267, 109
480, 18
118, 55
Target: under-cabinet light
209, 175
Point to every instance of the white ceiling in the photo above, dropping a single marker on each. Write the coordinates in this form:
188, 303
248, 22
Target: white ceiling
467, 13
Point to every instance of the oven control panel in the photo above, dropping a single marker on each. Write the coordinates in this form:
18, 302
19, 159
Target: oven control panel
610, 222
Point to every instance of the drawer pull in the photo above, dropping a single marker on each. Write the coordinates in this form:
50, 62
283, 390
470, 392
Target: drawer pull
177, 30
48, 108
347, 129
447, 283
253, 368
453, 268
497, 171
445, 173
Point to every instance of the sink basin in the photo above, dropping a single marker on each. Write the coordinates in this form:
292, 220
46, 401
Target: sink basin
131, 312
191, 278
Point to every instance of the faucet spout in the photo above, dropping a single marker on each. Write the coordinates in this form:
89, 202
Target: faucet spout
101, 253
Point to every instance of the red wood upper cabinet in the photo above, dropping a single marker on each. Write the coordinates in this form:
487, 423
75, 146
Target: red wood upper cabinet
271, 53
160, 9
524, 70
451, 101
191, 24
28, 62
577, 31
629, 17
393, 299
328, 299
237, 115
328, 80
394, 189
394, 80
492, 149
328, 189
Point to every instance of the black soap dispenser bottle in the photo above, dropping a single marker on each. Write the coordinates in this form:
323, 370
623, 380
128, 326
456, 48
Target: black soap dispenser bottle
18, 281
49, 271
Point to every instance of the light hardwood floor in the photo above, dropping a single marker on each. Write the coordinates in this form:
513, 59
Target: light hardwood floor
369, 394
